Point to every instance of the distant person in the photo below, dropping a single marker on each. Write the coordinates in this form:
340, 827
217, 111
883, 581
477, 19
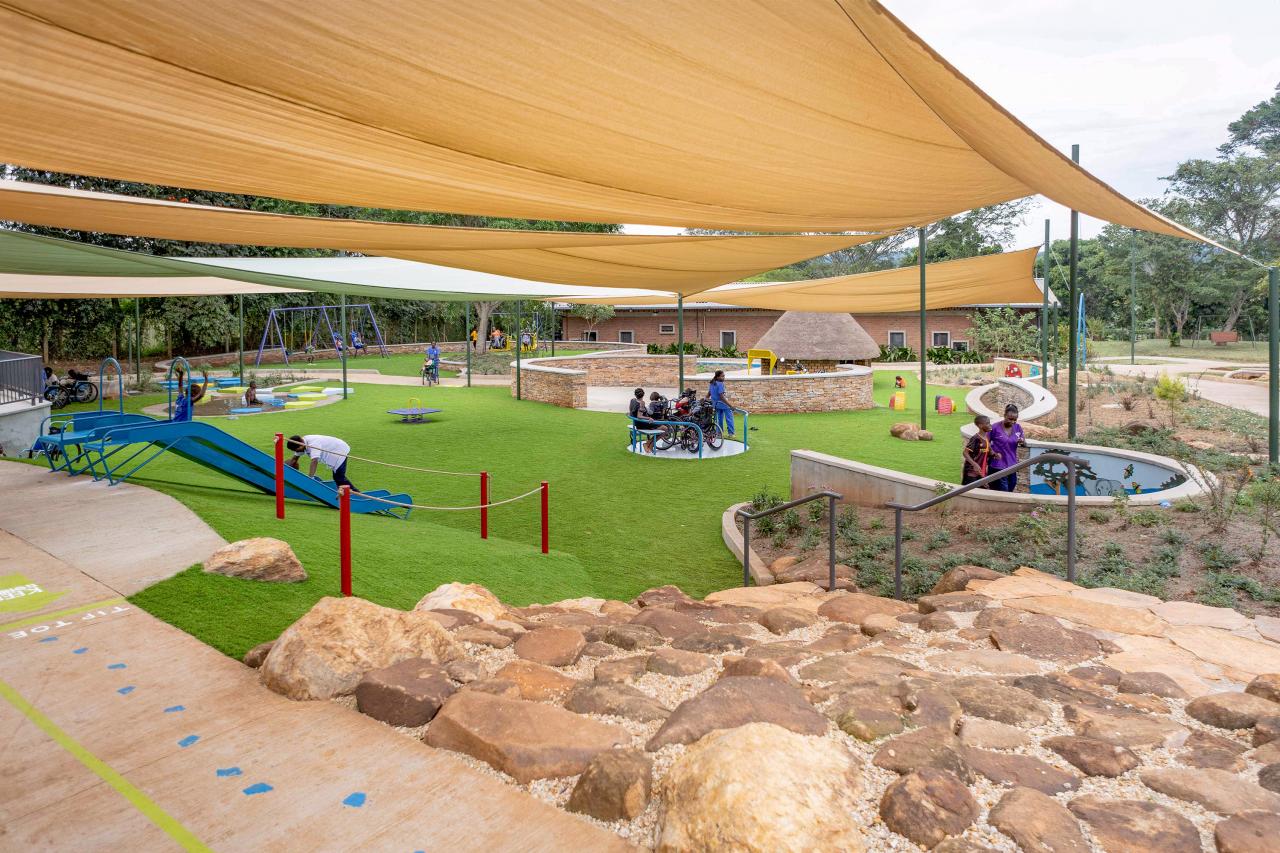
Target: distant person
724, 408
1006, 438
333, 452
251, 394
899, 382
50, 378
337, 344
357, 343
189, 393
475, 336
495, 338
526, 341
977, 451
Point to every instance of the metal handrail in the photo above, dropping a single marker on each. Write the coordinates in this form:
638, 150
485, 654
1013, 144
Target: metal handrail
748, 517
635, 431
1072, 463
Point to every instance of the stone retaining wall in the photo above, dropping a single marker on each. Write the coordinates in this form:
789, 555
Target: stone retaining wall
563, 381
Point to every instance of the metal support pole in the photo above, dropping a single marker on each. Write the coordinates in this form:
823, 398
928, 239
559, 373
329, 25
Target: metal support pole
345, 346
746, 552
344, 537
831, 544
137, 334
279, 475
484, 504
924, 332
1073, 366
1044, 312
519, 319
897, 554
1273, 376
1071, 523
240, 311
546, 518
466, 344
1133, 295
680, 341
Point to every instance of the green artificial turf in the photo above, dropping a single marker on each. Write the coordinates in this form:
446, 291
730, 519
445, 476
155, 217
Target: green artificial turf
620, 523
399, 364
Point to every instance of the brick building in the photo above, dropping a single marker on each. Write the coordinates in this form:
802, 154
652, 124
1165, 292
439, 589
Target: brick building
716, 326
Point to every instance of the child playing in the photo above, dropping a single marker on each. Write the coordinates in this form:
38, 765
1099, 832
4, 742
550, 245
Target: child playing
251, 394
977, 451
899, 382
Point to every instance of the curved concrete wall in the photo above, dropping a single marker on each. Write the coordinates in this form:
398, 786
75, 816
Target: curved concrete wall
872, 486
1042, 403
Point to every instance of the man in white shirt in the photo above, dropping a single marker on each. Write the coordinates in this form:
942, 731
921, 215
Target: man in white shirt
322, 448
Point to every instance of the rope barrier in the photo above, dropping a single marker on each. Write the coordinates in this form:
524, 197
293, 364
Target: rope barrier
402, 467
490, 505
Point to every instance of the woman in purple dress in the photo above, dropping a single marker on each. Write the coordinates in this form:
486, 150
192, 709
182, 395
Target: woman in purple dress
1006, 438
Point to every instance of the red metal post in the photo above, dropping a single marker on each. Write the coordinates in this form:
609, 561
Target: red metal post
344, 537
546, 518
279, 475
484, 504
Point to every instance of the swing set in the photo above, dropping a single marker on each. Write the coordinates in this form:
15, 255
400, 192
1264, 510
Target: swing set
316, 321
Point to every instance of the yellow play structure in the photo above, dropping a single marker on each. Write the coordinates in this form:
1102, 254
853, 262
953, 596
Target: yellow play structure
765, 355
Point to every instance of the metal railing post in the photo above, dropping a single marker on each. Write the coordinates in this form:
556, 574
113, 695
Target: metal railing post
897, 554
746, 551
831, 543
1071, 522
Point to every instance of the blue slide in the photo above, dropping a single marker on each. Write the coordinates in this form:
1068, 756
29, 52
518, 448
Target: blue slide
113, 451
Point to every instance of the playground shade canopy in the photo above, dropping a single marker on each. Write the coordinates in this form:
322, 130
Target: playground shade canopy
33, 266
780, 115
678, 262
999, 279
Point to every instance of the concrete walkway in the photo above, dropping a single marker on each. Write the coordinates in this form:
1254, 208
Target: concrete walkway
118, 731
1250, 398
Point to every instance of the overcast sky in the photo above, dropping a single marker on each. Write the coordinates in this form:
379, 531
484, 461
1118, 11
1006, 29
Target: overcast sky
1141, 85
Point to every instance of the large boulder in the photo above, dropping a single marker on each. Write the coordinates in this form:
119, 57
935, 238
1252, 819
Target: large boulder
1093, 757
526, 740
408, 693
736, 701
470, 597
1216, 790
1248, 832
927, 806
714, 797
955, 580
326, 652
857, 606
1231, 710
551, 646
615, 786
1136, 825
259, 559
905, 430
1037, 822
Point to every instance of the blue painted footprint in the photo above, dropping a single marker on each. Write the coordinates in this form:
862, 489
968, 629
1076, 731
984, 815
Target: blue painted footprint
115, 666
355, 800
188, 740
125, 691
224, 772
47, 639
257, 788
173, 709
80, 650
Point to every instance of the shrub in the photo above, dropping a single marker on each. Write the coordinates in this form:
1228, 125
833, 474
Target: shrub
897, 354
1146, 518
815, 511
764, 499
765, 526
810, 539
1098, 516
1217, 558
939, 539
791, 521
1186, 505
1171, 390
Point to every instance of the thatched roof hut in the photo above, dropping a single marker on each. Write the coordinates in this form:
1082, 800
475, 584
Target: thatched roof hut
818, 338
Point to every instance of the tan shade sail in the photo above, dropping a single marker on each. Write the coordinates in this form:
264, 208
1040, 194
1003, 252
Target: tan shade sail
1001, 279
679, 263
777, 115
45, 267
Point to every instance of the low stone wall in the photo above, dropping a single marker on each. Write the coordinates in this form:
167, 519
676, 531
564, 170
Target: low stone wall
1033, 400
554, 385
847, 388
566, 378
20, 425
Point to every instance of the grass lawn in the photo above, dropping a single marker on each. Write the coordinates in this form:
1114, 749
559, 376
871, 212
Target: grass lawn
399, 364
1244, 351
619, 523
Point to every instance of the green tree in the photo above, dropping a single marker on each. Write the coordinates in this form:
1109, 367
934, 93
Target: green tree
592, 314
1004, 332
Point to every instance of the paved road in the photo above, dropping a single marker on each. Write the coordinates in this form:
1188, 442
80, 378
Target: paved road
120, 732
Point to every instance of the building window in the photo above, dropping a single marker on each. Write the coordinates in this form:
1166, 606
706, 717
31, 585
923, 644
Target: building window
728, 339
588, 336
960, 346
627, 337
942, 339
897, 339
666, 328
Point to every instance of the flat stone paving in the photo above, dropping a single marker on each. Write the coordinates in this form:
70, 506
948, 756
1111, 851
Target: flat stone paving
118, 731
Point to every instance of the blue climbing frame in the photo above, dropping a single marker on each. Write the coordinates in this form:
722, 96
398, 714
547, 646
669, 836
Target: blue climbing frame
273, 335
